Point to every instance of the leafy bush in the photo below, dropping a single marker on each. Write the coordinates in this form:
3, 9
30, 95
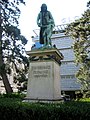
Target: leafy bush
12, 95
85, 100
13, 109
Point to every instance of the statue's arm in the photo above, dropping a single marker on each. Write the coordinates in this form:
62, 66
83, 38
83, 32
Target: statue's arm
38, 20
51, 19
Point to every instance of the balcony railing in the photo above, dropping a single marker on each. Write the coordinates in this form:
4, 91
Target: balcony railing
57, 29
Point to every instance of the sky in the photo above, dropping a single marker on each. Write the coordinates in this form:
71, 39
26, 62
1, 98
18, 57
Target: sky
63, 11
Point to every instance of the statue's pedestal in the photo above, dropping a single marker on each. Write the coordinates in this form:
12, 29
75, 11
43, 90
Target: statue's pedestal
44, 75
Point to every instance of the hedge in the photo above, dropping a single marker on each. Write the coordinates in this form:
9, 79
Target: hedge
13, 109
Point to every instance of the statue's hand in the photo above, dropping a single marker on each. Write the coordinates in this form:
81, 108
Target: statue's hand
39, 25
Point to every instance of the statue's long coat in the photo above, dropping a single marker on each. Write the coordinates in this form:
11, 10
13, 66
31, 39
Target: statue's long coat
46, 23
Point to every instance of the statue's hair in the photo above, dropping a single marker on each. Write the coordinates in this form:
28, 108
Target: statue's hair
43, 6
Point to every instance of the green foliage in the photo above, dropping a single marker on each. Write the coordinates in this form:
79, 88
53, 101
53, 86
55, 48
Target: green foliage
12, 42
86, 94
16, 96
13, 109
85, 100
80, 32
15, 1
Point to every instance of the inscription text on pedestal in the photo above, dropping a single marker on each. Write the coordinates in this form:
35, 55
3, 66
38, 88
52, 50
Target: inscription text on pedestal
40, 71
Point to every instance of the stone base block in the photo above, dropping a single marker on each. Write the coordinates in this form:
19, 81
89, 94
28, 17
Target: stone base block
44, 81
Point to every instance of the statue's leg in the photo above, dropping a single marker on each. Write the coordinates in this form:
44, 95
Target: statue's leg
49, 43
45, 43
47, 36
44, 36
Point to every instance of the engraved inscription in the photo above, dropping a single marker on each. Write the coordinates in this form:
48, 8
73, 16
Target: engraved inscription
40, 71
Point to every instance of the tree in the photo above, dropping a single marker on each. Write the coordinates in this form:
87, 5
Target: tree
15, 1
80, 32
11, 42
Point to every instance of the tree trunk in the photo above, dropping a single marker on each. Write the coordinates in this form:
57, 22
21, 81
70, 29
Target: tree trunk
2, 65
3, 72
6, 83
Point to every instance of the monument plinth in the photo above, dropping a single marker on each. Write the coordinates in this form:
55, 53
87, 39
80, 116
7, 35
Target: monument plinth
44, 75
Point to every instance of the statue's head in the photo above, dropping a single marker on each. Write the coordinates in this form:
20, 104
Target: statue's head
43, 7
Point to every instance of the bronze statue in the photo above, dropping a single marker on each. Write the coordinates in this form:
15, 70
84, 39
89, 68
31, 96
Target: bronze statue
46, 23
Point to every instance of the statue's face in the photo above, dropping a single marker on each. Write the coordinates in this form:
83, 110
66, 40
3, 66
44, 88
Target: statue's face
43, 7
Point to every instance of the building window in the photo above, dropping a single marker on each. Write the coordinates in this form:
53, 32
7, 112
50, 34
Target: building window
67, 76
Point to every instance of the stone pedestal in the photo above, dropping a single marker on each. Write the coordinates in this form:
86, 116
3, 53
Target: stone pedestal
44, 75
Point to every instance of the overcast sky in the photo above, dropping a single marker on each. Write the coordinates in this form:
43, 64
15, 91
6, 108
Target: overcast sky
63, 11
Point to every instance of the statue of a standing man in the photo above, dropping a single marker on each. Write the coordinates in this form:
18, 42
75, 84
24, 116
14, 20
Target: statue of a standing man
46, 23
